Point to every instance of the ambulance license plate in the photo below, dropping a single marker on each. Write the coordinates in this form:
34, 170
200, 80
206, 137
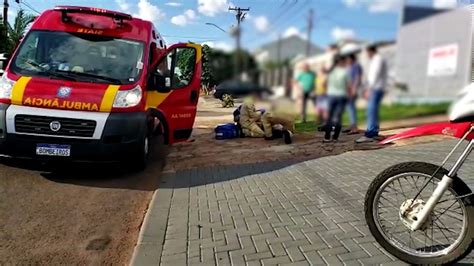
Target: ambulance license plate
53, 150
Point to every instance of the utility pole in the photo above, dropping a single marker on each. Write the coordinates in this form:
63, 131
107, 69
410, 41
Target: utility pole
240, 14
279, 65
310, 29
279, 48
5, 12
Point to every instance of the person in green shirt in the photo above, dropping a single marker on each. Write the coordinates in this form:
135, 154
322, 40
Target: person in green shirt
306, 81
338, 85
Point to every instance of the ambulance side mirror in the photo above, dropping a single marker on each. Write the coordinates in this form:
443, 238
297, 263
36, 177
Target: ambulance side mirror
159, 82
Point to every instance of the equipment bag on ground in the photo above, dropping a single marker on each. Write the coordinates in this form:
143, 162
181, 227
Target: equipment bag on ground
227, 131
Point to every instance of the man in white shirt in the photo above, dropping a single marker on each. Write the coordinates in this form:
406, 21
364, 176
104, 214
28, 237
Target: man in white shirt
376, 85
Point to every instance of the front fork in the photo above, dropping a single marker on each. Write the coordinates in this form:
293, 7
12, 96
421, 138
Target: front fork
442, 186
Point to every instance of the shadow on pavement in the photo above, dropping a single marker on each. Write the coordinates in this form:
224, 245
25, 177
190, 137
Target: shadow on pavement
213, 175
102, 175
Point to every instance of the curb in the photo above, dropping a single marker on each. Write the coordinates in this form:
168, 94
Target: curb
152, 234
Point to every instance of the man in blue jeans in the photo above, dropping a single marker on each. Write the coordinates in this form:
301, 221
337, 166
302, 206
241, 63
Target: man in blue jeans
355, 73
376, 85
338, 84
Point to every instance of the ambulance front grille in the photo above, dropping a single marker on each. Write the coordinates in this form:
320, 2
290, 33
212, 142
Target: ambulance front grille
42, 125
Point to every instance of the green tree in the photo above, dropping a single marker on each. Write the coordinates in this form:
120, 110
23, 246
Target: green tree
185, 60
185, 63
217, 65
221, 65
248, 65
206, 76
18, 29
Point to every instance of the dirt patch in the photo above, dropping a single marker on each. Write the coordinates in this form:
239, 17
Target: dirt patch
205, 150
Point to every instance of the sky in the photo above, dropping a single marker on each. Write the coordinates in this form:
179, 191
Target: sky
185, 20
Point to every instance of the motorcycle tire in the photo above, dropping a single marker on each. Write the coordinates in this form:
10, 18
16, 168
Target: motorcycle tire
458, 187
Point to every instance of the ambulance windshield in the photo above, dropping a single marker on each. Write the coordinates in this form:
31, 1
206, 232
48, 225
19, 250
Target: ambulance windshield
81, 57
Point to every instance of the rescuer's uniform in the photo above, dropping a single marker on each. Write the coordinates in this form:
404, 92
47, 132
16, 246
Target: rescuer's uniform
249, 118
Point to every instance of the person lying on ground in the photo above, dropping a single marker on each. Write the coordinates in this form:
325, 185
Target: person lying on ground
281, 113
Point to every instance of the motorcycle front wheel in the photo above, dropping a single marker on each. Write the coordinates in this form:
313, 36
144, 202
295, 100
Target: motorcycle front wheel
447, 234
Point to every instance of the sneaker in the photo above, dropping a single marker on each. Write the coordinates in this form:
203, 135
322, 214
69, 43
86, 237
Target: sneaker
269, 138
287, 136
364, 139
326, 141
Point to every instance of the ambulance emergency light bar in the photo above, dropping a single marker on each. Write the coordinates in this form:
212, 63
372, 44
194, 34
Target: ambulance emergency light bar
117, 16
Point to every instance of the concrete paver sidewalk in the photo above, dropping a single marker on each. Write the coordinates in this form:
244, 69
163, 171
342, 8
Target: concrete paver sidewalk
273, 213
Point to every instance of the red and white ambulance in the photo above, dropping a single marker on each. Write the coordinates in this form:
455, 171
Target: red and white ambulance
90, 84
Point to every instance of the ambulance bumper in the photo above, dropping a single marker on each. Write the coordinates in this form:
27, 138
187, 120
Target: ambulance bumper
121, 138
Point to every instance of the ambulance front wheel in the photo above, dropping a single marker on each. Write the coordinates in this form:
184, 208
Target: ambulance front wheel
140, 160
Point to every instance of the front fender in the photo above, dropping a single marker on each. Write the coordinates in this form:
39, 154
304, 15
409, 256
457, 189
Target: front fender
456, 130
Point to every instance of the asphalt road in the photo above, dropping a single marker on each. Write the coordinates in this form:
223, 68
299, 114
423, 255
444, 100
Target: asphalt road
73, 213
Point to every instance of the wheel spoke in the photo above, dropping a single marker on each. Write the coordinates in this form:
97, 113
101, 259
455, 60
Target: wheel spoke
450, 216
441, 230
401, 188
415, 182
447, 208
443, 227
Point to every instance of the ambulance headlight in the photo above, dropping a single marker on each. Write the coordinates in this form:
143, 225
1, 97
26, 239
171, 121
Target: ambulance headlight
6, 87
129, 98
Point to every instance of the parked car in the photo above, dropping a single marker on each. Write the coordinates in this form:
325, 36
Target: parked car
237, 88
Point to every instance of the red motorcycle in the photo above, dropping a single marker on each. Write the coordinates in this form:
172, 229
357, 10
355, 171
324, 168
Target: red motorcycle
423, 213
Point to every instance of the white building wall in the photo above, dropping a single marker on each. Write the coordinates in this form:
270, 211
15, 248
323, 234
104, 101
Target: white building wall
416, 39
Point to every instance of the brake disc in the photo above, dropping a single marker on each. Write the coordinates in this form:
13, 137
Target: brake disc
409, 211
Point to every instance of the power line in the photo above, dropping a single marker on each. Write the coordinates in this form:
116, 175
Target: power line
281, 13
28, 6
288, 16
310, 29
31, 8
273, 28
284, 2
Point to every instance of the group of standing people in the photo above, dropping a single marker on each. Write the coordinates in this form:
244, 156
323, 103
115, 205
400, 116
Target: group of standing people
338, 88
333, 90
